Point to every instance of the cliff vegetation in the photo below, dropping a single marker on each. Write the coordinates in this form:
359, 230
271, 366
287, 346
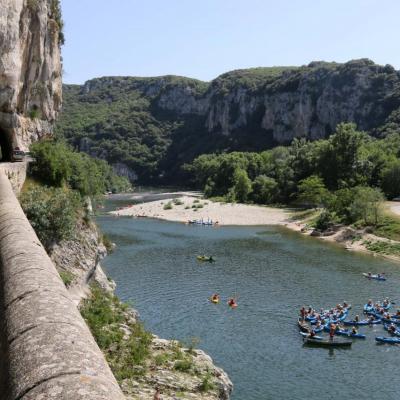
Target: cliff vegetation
149, 127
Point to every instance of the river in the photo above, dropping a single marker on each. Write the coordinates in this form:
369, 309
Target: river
273, 272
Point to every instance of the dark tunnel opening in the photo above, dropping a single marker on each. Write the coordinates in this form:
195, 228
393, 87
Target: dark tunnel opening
6, 147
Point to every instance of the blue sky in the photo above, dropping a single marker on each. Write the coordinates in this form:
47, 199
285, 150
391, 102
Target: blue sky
204, 38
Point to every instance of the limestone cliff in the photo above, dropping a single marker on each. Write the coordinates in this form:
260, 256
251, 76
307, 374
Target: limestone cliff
153, 125
30, 71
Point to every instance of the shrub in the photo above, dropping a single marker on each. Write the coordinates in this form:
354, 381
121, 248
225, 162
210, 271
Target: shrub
184, 365
325, 220
52, 212
206, 384
104, 314
178, 202
67, 277
168, 206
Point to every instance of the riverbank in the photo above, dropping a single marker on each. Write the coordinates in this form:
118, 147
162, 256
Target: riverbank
359, 240
190, 207
185, 206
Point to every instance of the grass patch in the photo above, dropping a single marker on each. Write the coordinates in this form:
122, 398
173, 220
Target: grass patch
184, 365
389, 227
383, 247
126, 354
168, 206
206, 384
67, 277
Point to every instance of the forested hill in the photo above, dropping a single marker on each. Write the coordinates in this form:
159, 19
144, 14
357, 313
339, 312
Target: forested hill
149, 127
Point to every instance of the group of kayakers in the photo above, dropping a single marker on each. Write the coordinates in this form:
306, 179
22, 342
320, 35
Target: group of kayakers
311, 321
215, 298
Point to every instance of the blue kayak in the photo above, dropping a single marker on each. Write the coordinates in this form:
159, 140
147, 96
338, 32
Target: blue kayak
395, 333
363, 322
376, 277
392, 340
346, 332
307, 335
369, 308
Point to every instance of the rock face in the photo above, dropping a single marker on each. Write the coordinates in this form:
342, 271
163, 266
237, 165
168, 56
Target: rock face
172, 119
30, 71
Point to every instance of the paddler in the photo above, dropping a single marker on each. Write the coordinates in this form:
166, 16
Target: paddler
332, 331
357, 318
354, 330
215, 298
232, 303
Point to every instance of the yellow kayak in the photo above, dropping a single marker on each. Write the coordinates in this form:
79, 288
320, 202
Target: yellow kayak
205, 258
215, 301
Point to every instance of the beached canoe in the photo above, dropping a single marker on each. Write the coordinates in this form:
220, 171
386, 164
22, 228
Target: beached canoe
391, 340
328, 343
376, 277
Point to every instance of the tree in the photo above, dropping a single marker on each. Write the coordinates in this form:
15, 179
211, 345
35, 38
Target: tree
391, 180
312, 191
265, 189
242, 185
367, 205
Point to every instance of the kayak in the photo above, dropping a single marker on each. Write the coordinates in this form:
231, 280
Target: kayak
327, 343
303, 326
395, 333
205, 258
363, 322
306, 335
369, 308
391, 340
376, 277
232, 305
389, 321
215, 301
346, 332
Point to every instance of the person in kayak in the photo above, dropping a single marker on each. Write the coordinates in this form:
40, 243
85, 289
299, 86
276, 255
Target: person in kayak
332, 331
354, 330
392, 328
312, 334
215, 298
357, 318
303, 313
232, 302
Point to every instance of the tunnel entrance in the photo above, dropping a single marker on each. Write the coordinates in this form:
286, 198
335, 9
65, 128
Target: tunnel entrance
6, 148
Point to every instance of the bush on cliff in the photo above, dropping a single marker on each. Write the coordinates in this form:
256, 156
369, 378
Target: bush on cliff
52, 212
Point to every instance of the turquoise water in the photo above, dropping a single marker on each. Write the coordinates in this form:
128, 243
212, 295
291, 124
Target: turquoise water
273, 272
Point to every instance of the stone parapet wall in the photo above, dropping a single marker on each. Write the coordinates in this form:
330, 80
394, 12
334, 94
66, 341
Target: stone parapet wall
46, 349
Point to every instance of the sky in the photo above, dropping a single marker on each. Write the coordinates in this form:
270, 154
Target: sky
205, 38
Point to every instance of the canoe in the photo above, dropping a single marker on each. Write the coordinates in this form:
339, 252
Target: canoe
395, 333
363, 322
304, 334
376, 277
327, 343
205, 258
391, 340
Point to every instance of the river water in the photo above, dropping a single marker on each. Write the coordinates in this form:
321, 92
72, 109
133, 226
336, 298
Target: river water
273, 272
